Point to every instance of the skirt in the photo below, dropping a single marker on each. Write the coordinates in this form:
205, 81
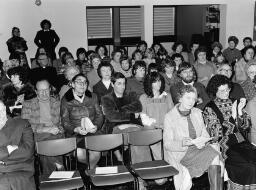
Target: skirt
241, 164
197, 161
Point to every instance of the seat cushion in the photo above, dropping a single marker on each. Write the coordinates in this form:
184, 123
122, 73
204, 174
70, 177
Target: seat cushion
122, 176
61, 184
154, 169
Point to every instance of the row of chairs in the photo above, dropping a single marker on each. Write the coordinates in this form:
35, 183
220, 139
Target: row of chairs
125, 173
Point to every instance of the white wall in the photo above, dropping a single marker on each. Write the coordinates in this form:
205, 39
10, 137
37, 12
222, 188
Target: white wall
68, 18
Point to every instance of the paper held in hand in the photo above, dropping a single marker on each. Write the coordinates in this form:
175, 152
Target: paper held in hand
87, 124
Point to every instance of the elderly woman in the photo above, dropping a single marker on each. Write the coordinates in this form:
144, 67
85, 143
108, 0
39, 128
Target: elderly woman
186, 143
81, 115
249, 84
69, 73
236, 91
204, 68
248, 55
17, 91
226, 122
155, 104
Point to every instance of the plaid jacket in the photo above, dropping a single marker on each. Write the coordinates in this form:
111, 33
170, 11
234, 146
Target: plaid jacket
31, 112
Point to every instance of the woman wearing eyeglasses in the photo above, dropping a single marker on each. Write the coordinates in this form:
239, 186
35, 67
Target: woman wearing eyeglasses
226, 122
81, 115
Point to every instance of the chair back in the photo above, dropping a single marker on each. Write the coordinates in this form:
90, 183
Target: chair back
145, 137
103, 142
56, 147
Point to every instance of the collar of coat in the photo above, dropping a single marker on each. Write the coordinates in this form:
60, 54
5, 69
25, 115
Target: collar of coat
70, 96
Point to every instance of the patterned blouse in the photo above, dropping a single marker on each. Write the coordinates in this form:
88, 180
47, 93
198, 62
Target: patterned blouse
220, 124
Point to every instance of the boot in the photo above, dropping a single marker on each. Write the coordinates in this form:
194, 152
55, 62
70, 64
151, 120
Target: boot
214, 175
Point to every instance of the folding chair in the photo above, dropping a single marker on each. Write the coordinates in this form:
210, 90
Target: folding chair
58, 147
102, 143
150, 170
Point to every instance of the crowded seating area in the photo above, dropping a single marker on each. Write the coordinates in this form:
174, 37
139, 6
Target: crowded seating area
156, 118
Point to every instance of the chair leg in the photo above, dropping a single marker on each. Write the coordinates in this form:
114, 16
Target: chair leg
214, 175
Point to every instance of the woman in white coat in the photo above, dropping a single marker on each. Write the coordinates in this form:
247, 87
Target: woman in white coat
187, 143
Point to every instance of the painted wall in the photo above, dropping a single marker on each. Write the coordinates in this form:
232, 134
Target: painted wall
190, 20
68, 18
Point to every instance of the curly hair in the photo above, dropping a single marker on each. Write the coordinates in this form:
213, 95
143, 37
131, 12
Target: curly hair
215, 82
217, 44
234, 39
104, 64
184, 66
21, 72
45, 21
152, 67
149, 80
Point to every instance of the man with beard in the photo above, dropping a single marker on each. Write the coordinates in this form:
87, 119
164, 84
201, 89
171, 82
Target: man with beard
187, 74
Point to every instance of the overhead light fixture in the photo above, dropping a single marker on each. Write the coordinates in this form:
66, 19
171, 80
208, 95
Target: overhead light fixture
38, 2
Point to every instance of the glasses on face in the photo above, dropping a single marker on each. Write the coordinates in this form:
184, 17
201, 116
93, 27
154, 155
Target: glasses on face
226, 70
81, 83
224, 90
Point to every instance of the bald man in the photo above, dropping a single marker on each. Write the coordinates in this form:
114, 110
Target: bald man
43, 112
16, 153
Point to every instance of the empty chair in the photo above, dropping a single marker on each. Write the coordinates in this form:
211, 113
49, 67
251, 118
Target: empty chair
102, 143
58, 147
150, 170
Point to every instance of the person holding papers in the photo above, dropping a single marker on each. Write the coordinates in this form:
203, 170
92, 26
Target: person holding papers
187, 143
81, 115
226, 121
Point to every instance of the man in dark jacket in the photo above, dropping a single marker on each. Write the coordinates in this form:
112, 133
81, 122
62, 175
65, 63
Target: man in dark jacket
118, 107
187, 74
47, 38
16, 153
44, 72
